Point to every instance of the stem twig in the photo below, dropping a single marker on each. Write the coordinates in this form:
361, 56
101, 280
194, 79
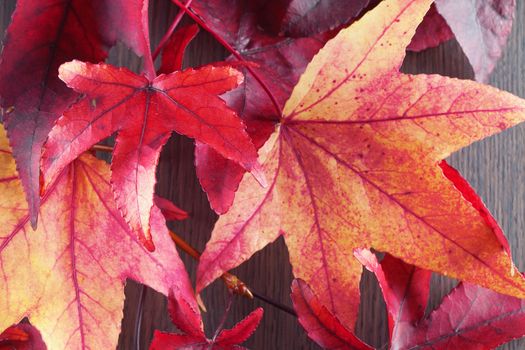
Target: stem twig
234, 52
235, 285
170, 31
102, 148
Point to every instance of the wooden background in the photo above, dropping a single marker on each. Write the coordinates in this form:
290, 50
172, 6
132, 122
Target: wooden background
495, 168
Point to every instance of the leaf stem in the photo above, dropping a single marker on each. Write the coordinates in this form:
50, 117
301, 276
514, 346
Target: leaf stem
235, 285
170, 31
102, 148
224, 318
182, 244
234, 52
276, 304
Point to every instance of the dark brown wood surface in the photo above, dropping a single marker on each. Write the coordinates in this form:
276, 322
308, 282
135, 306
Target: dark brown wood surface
495, 168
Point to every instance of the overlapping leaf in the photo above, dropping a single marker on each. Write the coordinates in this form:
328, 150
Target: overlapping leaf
433, 31
42, 36
355, 164
144, 113
68, 276
308, 17
170, 211
470, 317
480, 26
405, 288
22, 336
186, 316
321, 326
173, 52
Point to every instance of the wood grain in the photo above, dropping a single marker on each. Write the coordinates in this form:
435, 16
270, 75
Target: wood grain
495, 168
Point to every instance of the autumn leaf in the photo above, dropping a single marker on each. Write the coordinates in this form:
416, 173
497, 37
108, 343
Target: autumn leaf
22, 336
480, 26
356, 164
173, 52
431, 32
144, 113
321, 326
470, 318
68, 276
309, 17
41, 37
405, 288
170, 211
185, 315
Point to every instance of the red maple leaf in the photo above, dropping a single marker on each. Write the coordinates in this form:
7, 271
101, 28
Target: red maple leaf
469, 317
185, 315
144, 113
431, 32
356, 162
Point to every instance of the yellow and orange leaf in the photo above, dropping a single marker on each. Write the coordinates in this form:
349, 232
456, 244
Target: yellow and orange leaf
68, 276
357, 163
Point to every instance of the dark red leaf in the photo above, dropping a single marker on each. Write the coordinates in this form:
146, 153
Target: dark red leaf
42, 36
169, 341
184, 314
144, 113
405, 288
323, 327
309, 17
469, 318
22, 336
242, 330
173, 52
433, 31
170, 211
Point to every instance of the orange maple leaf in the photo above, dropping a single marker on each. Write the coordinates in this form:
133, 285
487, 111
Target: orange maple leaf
357, 162
68, 276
